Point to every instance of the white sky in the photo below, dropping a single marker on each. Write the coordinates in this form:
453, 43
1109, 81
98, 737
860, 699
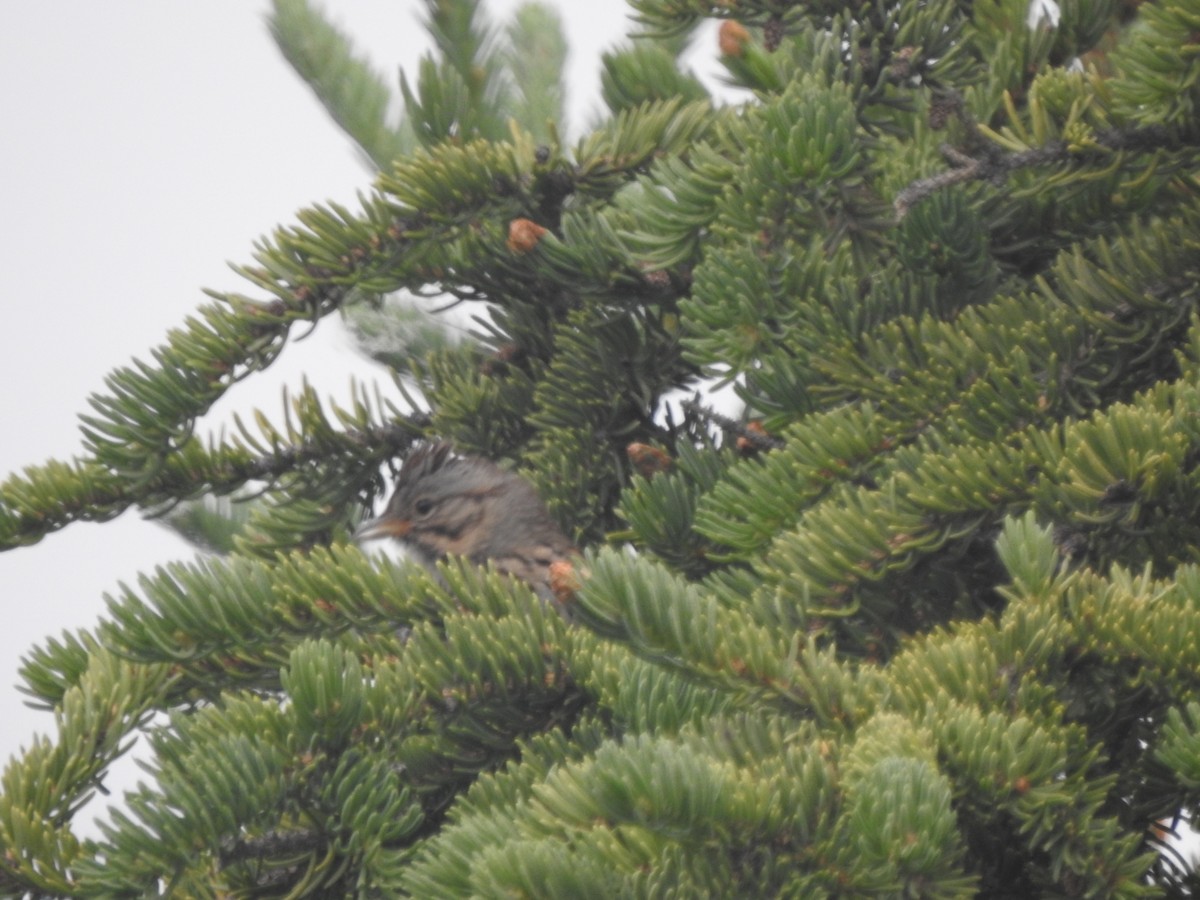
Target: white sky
143, 145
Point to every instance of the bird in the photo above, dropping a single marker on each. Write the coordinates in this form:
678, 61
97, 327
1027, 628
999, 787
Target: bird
446, 504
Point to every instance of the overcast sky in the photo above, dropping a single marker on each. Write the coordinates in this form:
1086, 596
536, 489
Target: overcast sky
143, 146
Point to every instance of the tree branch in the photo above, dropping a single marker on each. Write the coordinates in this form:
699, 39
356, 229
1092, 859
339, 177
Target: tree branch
100, 494
760, 440
996, 166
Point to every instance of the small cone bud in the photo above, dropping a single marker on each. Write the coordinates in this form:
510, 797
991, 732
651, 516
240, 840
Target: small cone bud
523, 235
733, 38
564, 580
649, 461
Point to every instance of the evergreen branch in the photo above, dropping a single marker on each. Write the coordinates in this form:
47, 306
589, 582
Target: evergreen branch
995, 167
416, 229
757, 438
406, 236
463, 35
536, 52
644, 73
50, 497
465, 94
354, 95
423, 224
273, 844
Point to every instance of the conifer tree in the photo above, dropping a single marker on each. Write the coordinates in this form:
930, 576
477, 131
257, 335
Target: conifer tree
924, 621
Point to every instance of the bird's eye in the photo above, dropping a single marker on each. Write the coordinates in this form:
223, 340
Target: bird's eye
423, 506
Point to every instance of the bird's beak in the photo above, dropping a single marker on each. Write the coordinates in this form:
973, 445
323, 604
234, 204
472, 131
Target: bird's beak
384, 526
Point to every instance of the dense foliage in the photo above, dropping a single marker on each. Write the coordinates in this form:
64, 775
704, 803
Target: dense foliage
925, 621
